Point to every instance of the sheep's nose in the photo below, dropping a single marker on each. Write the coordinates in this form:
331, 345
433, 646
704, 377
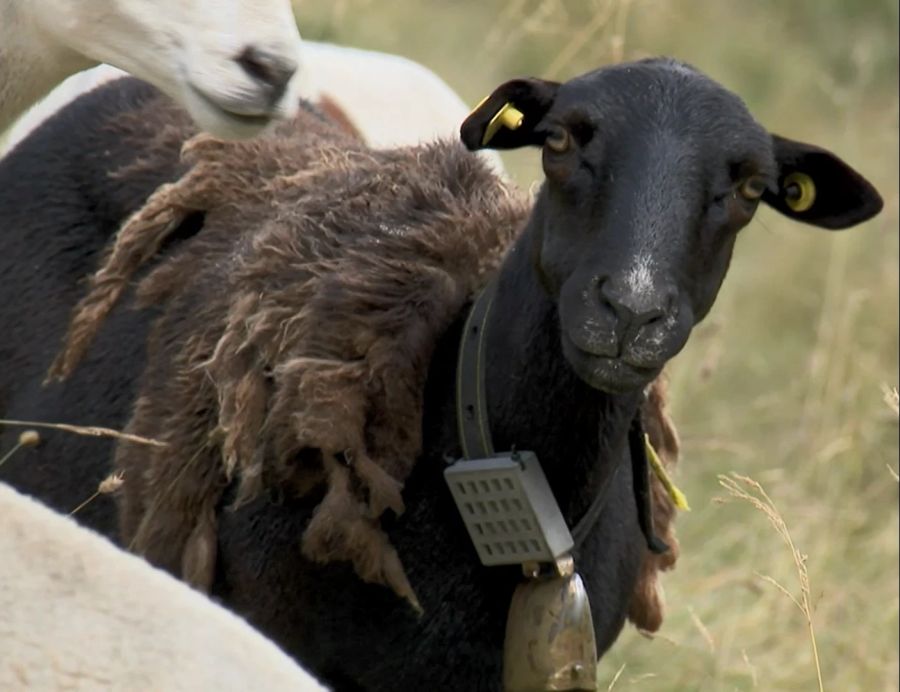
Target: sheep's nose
271, 70
632, 311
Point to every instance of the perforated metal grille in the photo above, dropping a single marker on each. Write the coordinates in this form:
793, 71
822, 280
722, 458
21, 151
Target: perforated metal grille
508, 510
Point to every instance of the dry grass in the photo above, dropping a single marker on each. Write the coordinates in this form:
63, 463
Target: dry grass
107, 486
892, 399
746, 489
782, 382
31, 438
86, 430
28, 438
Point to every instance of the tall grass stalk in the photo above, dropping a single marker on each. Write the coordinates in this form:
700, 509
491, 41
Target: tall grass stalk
86, 430
748, 490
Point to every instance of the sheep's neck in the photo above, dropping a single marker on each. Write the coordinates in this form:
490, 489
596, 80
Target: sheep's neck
535, 400
31, 62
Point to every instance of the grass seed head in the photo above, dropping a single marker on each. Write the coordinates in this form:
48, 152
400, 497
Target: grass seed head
29, 438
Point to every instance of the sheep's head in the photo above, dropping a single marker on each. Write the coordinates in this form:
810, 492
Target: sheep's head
230, 63
651, 170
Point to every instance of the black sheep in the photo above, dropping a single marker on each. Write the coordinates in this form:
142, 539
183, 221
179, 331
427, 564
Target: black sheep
651, 169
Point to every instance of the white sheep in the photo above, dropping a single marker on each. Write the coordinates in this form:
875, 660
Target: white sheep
80, 614
389, 100
229, 62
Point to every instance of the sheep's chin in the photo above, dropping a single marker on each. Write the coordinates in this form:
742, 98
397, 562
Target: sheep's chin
216, 119
612, 375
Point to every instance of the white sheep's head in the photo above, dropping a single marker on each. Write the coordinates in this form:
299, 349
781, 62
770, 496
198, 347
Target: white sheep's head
230, 63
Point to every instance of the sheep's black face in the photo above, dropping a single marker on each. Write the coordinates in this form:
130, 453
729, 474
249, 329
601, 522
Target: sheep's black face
650, 174
652, 169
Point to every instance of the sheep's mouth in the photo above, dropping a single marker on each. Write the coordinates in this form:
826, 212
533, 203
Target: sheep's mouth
253, 120
609, 374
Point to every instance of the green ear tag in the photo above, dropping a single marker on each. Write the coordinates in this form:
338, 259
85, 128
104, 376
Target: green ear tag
799, 191
508, 116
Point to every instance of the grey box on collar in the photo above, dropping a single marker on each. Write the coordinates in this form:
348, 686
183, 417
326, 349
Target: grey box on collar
509, 509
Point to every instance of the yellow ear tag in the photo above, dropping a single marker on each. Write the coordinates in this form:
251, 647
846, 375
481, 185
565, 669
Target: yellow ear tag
678, 498
799, 191
508, 116
478, 106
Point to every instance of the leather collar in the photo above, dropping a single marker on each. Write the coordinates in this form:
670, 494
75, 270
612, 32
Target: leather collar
474, 427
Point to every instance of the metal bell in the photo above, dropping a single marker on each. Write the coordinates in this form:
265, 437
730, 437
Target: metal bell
550, 641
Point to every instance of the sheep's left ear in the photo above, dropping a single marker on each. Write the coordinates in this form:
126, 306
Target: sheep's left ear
507, 118
816, 187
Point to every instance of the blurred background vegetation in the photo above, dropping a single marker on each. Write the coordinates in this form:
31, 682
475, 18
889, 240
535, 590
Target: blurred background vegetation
783, 381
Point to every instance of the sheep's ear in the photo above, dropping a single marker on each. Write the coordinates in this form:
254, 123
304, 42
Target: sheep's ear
816, 187
507, 118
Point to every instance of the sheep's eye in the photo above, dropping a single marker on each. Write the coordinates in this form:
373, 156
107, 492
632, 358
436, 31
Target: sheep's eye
753, 188
558, 140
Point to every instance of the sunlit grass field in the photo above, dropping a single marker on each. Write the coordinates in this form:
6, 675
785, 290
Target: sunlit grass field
784, 380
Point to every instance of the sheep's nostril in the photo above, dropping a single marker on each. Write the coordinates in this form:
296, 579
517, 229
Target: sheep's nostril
654, 319
671, 302
606, 303
630, 311
273, 71
608, 307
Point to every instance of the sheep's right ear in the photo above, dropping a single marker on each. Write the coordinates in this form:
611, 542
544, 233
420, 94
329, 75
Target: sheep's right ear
507, 118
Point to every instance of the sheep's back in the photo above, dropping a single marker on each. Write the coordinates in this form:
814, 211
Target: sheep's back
300, 323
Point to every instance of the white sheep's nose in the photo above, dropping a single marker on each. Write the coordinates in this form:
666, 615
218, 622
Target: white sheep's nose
271, 70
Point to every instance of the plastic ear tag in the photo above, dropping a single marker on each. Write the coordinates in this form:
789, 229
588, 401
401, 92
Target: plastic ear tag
678, 498
478, 106
799, 191
508, 116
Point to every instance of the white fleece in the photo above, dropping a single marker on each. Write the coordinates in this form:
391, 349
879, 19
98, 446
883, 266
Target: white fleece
77, 613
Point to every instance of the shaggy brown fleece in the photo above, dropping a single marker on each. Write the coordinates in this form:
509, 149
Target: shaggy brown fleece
296, 335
